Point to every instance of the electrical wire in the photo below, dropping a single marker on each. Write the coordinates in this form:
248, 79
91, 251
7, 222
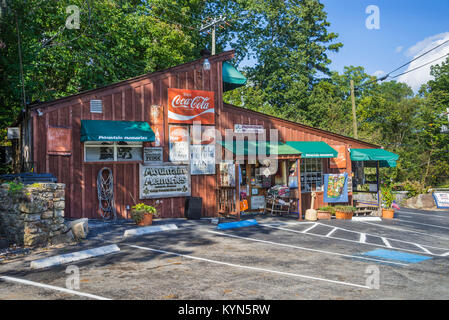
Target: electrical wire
408, 71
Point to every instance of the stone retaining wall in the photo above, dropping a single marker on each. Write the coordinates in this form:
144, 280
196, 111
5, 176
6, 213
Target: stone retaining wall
34, 215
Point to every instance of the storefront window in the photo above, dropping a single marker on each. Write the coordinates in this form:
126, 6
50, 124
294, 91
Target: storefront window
311, 175
95, 151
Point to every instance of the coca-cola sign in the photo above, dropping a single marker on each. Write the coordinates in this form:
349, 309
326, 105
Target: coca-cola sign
187, 106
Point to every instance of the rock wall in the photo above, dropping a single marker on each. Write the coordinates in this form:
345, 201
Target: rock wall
421, 201
32, 215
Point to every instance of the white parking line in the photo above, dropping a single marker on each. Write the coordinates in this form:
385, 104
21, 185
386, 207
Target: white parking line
354, 241
362, 237
331, 232
46, 286
301, 248
424, 224
431, 215
422, 248
406, 230
387, 244
248, 267
308, 229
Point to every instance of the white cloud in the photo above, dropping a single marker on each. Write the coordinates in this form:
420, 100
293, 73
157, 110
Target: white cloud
418, 77
378, 73
398, 49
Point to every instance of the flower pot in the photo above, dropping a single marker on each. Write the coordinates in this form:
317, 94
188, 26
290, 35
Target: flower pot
340, 215
323, 215
387, 213
147, 219
343, 215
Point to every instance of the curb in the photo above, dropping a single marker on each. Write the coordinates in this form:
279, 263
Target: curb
148, 230
74, 256
366, 219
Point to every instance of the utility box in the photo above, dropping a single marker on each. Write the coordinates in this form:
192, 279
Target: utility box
193, 208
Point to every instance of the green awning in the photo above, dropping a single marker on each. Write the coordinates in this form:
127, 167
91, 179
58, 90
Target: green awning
252, 148
313, 149
386, 158
107, 130
232, 78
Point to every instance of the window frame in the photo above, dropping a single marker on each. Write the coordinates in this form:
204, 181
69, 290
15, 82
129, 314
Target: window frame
115, 146
310, 175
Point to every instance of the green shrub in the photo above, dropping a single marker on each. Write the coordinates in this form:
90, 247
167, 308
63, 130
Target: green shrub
345, 209
387, 196
140, 209
329, 209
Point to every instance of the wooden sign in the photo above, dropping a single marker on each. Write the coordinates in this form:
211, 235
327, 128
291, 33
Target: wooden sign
164, 181
59, 141
188, 106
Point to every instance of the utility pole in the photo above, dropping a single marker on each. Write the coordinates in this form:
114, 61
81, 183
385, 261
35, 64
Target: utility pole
212, 25
354, 118
19, 47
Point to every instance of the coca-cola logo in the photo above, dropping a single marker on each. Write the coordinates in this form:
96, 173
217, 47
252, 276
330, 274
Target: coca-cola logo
197, 102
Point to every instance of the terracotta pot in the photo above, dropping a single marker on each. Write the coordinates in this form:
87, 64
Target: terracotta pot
323, 215
147, 220
387, 213
340, 215
343, 215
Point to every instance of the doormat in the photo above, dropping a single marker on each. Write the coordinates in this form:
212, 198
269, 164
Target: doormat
396, 256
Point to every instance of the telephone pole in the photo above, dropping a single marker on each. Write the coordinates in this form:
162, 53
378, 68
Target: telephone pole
354, 118
215, 22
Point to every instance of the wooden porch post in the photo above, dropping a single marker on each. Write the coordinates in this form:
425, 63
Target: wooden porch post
237, 190
298, 200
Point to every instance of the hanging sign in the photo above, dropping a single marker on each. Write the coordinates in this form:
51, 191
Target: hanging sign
152, 155
179, 143
441, 199
188, 106
248, 128
164, 181
336, 187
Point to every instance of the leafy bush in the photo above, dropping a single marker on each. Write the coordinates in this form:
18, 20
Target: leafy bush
329, 209
414, 188
140, 209
387, 196
345, 209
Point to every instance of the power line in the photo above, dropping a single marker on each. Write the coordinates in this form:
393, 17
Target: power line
405, 64
408, 71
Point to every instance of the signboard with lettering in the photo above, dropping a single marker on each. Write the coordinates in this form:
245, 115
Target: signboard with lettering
248, 128
441, 199
202, 159
257, 202
164, 181
179, 143
152, 155
188, 106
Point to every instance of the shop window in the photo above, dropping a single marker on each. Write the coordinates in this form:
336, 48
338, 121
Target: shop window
95, 151
311, 175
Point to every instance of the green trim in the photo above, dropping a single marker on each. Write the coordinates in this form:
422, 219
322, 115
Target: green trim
108, 130
385, 158
313, 149
252, 148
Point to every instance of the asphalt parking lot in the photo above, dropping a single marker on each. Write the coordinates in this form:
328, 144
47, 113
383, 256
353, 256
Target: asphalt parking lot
281, 258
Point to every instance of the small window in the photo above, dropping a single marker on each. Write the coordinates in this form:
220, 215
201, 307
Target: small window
96, 106
99, 151
311, 175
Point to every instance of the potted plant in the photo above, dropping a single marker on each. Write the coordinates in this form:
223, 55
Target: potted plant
344, 212
142, 214
325, 213
387, 201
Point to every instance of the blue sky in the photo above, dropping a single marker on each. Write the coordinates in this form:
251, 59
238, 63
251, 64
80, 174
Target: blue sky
407, 28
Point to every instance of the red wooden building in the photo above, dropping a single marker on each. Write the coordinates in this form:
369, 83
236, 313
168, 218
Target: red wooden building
55, 139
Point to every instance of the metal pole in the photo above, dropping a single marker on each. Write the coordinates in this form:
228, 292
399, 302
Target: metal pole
213, 40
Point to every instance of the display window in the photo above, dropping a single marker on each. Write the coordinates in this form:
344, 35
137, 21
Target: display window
104, 151
311, 175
